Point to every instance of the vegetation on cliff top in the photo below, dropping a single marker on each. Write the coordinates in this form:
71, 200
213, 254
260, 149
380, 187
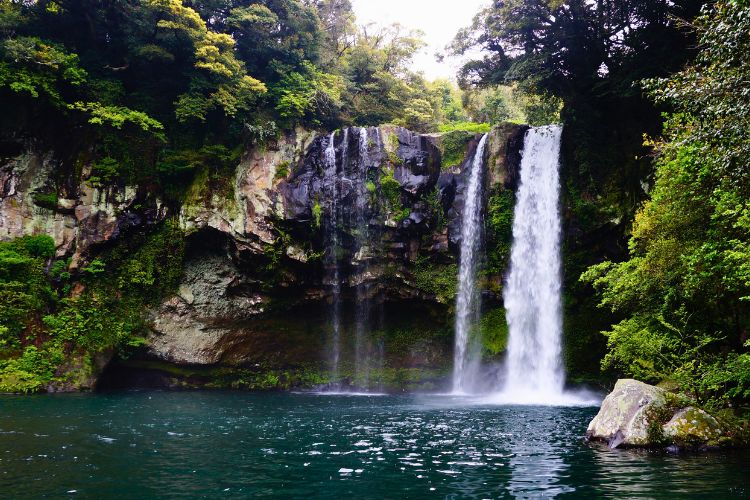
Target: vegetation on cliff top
154, 89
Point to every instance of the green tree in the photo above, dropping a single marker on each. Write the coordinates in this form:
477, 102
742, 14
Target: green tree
587, 56
378, 75
685, 288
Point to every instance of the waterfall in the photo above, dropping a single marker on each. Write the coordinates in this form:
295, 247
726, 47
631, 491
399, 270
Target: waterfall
332, 263
466, 300
534, 370
362, 314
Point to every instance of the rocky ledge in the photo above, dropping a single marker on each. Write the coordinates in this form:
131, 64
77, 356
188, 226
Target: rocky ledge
639, 415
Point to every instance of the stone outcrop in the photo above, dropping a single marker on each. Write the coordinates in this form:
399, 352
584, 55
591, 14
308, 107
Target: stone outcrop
505, 146
224, 296
692, 425
626, 414
636, 414
86, 215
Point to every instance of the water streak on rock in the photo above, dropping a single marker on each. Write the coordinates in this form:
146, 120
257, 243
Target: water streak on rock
332, 264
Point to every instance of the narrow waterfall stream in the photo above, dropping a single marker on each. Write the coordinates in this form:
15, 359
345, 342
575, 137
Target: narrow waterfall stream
350, 342
362, 313
466, 299
332, 263
534, 372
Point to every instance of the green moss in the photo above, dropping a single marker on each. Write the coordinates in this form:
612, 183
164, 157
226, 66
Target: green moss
180, 171
39, 330
453, 148
391, 191
299, 377
499, 227
317, 213
199, 191
25, 292
437, 279
45, 200
258, 378
659, 414
494, 331
392, 150
439, 220
403, 379
282, 170
473, 127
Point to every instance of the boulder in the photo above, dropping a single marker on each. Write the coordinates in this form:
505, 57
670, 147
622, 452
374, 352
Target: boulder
420, 162
626, 413
505, 146
635, 414
692, 426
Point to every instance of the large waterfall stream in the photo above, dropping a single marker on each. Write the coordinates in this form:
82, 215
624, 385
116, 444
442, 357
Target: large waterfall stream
532, 293
533, 372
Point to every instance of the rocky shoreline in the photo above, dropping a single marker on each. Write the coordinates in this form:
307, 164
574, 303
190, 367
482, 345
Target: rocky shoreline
639, 415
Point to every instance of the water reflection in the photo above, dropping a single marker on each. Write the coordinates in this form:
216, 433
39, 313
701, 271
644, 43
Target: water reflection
537, 464
656, 474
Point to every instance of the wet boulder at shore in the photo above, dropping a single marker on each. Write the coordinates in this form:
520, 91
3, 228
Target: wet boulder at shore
636, 414
624, 415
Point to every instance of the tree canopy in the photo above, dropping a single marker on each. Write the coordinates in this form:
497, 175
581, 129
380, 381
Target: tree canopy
146, 82
685, 288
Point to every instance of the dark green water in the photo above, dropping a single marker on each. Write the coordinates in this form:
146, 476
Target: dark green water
237, 445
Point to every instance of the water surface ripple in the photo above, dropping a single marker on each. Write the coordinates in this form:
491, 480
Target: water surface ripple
236, 445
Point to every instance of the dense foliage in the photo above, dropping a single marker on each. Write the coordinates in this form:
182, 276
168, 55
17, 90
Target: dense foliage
46, 328
147, 86
686, 286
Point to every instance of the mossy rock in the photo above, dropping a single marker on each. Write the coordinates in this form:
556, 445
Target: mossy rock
454, 147
636, 414
692, 426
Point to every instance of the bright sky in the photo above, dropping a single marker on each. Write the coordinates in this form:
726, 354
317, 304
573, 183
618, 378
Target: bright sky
440, 20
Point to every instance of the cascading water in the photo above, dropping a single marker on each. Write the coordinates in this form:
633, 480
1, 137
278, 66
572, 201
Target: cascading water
466, 301
534, 371
332, 263
362, 313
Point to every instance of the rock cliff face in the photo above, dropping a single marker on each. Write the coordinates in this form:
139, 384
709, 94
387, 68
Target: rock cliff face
258, 285
76, 217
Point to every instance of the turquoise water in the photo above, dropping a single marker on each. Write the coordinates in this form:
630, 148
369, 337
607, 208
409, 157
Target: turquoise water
239, 445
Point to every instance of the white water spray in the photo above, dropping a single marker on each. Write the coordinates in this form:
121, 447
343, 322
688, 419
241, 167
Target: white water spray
532, 292
466, 299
